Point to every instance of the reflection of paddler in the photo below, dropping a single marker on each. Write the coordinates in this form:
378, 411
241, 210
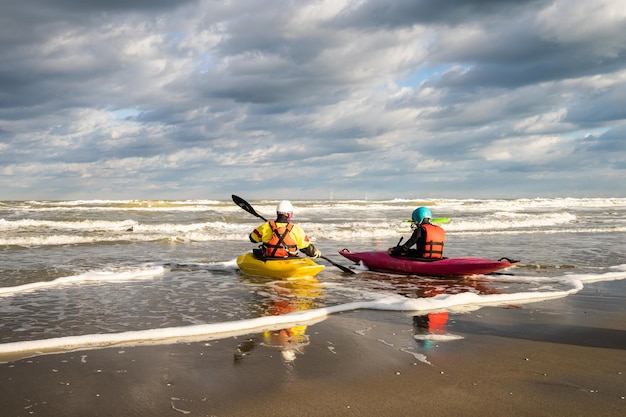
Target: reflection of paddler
294, 295
285, 297
428, 326
290, 341
433, 323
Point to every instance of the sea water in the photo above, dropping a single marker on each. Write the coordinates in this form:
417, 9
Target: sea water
87, 274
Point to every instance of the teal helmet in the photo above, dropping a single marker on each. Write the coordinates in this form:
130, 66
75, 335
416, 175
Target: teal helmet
419, 214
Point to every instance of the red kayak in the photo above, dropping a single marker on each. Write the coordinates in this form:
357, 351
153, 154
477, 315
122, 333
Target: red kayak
381, 261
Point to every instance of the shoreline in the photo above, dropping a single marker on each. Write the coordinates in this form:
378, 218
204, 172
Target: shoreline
556, 357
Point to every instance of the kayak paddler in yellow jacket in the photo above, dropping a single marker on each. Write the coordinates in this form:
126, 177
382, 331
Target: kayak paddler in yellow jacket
282, 239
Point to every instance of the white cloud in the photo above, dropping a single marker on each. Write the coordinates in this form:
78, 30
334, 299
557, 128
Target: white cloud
361, 97
531, 149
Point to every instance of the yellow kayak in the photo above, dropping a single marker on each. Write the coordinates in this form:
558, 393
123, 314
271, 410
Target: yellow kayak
278, 268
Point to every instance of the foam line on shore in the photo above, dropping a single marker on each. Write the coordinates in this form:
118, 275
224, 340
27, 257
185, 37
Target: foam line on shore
233, 328
571, 283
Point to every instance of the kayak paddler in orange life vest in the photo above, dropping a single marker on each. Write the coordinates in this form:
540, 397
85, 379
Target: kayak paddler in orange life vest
282, 239
427, 237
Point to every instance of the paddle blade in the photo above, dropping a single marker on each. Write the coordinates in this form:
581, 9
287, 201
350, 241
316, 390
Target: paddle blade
435, 220
246, 206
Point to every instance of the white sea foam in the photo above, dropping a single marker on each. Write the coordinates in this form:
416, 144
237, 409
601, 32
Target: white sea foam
27, 223
446, 337
108, 205
143, 272
305, 206
70, 225
211, 301
573, 283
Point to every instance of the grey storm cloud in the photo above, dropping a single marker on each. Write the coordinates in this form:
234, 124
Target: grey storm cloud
410, 98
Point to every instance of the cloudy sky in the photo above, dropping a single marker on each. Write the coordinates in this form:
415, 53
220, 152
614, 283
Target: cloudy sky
169, 99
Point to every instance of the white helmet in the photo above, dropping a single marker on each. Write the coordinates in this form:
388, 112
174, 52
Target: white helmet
284, 207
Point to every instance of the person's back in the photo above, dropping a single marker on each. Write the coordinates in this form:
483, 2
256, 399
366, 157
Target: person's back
280, 238
430, 243
281, 242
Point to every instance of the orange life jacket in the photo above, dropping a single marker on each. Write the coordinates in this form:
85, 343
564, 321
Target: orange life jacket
281, 245
433, 238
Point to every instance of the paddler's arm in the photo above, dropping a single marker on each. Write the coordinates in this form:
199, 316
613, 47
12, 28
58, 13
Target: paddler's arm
403, 249
257, 234
311, 251
396, 251
304, 243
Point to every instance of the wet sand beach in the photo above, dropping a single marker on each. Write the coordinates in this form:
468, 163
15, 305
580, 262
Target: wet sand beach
563, 357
